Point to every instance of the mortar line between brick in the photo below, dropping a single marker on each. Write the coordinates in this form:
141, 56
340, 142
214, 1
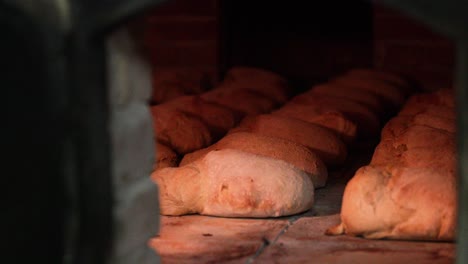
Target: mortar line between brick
267, 243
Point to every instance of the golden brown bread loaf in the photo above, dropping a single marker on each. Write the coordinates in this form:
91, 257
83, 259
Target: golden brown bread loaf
397, 125
394, 95
409, 189
331, 119
386, 76
400, 203
367, 121
277, 148
181, 132
232, 183
445, 97
372, 101
440, 103
324, 142
418, 146
165, 157
267, 83
245, 101
218, 119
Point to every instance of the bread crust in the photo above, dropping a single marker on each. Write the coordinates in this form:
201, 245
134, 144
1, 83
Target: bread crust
182, 132
276, 148
232, 183
322, 141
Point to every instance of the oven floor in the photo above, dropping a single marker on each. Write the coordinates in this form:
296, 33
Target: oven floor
294, 239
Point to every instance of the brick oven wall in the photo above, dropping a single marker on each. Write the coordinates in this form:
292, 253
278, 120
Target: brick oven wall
182, 34
187, 34
404, 45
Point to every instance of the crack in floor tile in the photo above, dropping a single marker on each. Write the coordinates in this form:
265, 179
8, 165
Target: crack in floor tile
267, 243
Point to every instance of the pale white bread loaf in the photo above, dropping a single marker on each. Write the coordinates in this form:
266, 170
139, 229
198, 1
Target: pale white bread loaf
181, 132
232, 183
322, 116
367, 122
324, 142
378, 74
277, 148
245, 101
372, 101
218, 119
165, 157
401, 203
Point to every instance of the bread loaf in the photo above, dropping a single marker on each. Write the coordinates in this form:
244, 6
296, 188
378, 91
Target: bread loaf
218, 119
372, 101
396, 126
324, 142
418, 146
245, 101
439, 104
367, 122
409, 190
165, 157
401, 203
391, 78
181, 132
322, 116
394, 95
232, 183
276, 148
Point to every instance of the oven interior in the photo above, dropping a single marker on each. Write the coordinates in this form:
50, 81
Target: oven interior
90, 147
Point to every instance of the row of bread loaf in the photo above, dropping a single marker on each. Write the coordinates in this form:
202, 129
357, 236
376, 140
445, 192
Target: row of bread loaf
296, 143
187, 123
409, 189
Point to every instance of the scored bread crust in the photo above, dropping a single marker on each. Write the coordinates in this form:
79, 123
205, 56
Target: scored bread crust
368, 123
219, 119
331, 119
418, 147
374, 102
322, 141
393, 94
243, 100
